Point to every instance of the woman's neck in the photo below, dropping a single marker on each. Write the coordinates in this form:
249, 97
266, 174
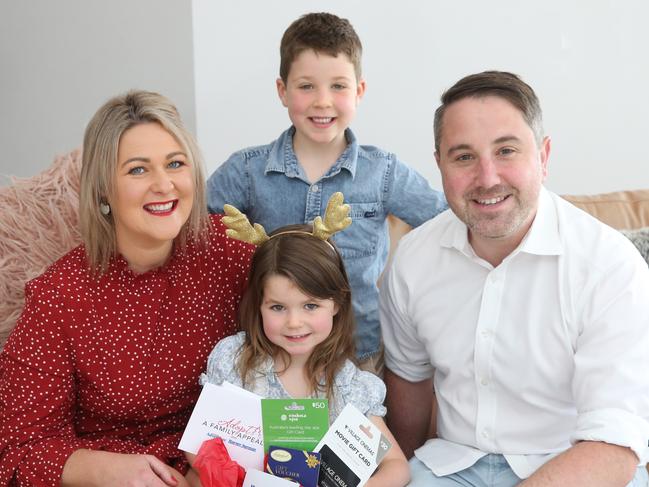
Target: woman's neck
144, 259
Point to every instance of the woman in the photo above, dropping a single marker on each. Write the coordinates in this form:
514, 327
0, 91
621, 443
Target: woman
99, 377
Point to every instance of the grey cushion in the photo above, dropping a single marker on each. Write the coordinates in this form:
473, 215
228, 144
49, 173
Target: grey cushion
640, 239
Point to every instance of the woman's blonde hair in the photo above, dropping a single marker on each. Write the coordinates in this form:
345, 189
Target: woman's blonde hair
99, 165
317, 269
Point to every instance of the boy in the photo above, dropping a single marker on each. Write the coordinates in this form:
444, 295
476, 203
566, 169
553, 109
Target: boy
291, 179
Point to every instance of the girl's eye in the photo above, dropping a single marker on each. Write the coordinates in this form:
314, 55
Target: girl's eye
277, 307
311, 306
176, 164
136, 170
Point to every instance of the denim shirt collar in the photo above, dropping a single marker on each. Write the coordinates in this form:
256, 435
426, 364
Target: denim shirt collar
282, 158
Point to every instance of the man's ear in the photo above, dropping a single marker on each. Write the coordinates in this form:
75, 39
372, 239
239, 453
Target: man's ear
281, 91
437, 158
545, 155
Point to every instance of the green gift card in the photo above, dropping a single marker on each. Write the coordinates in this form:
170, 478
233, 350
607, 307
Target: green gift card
294, 423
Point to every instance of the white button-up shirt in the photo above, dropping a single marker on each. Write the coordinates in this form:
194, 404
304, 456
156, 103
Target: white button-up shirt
549, 348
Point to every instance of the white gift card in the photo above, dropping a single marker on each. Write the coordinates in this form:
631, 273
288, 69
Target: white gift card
351, 450
234, 415
255, 478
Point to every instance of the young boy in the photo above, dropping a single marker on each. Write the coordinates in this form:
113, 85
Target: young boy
291, 179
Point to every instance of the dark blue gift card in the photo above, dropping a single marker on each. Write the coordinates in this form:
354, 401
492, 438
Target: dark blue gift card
299, 466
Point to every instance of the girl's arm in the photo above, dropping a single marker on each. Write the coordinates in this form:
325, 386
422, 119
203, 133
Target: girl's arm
393, 470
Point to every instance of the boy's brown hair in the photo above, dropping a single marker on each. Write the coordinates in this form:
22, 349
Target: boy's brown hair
323, 33
317, 269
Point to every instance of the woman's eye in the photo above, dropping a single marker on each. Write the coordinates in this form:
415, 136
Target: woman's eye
176, 164
136, 170
311, 306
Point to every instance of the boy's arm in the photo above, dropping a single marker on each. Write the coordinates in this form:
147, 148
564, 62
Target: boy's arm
230, 184
409, 196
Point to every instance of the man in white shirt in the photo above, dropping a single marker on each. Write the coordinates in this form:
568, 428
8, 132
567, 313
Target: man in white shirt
526, 318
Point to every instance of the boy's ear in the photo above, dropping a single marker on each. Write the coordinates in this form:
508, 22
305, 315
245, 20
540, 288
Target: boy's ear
360, 90
281, 91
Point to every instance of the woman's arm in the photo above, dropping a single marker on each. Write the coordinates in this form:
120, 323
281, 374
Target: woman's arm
393, 470
106, 469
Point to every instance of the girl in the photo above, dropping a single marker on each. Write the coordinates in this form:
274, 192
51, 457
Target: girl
298, 338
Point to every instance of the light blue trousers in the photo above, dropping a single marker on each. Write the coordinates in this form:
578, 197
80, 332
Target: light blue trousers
490, 471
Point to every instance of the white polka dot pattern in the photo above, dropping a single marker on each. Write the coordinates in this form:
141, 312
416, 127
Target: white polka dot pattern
113, 363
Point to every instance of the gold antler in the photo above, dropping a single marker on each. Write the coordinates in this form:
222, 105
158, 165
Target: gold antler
336, 218
239, 227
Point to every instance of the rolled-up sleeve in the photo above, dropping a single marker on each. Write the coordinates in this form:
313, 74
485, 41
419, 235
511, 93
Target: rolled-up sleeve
405, 354
611, 378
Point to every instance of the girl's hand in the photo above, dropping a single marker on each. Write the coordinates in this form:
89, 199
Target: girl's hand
108, 469
393, 470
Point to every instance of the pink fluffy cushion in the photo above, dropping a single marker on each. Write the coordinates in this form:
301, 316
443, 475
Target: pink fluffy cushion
38, 224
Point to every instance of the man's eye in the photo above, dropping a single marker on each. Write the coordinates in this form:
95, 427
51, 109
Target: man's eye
136, 170
464, 157
505, 151
311, 306
176, 164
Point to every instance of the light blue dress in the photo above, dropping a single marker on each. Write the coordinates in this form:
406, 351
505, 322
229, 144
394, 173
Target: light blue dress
352, 385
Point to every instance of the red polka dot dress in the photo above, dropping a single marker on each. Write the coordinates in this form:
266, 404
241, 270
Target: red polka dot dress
113, 363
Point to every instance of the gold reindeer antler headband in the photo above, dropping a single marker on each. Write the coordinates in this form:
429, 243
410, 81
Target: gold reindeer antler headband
336, 219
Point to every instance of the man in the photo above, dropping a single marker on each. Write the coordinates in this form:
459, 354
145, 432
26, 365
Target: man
527, 318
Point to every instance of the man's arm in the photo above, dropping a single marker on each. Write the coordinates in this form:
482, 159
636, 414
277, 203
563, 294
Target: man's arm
588, 463
410, 407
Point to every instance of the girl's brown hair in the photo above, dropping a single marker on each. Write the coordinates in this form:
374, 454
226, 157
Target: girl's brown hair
317, 269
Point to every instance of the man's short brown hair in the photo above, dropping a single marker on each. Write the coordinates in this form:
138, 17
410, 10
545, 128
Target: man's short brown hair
324, 33
494, 83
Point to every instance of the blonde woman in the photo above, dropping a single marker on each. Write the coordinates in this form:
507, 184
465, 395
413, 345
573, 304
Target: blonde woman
100, 374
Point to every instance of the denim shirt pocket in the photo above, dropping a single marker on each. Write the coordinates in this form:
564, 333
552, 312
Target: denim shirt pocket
360, 239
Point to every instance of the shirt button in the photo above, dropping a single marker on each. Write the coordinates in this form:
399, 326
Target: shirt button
486, 333
485, 434
314, 188
484, 381
494, 278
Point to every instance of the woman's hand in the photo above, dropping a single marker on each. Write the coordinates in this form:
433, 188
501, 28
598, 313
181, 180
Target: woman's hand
107, 469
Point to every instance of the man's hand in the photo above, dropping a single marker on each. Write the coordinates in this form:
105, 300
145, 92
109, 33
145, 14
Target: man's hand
107, 469
587, 464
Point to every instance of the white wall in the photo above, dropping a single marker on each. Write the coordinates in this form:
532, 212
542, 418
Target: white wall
587, 61
60, 60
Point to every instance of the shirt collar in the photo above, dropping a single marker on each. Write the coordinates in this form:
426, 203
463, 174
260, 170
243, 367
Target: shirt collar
541, 239
282, 158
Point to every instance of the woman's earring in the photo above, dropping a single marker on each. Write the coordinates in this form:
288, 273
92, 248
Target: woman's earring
104, 208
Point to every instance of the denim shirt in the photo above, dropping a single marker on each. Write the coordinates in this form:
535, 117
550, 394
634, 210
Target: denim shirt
269, 185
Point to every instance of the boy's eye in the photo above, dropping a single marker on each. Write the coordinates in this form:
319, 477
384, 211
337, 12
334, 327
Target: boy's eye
176, 164
311, 306
464, 157
338, 86
136, 170
306, 86
277, 307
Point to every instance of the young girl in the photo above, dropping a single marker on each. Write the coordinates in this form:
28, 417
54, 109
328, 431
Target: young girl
298, 338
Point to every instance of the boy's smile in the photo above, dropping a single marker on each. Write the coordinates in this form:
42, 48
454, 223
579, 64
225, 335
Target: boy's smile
321, 94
